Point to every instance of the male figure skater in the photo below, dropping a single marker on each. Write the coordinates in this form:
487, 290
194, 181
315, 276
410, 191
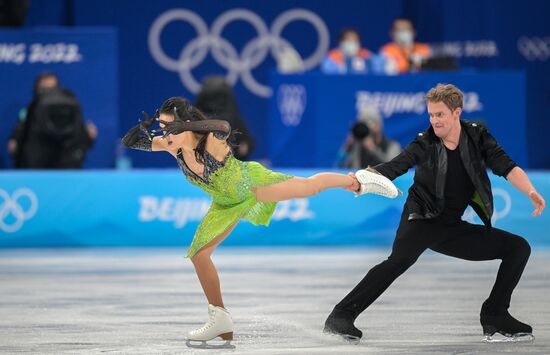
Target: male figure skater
451, 159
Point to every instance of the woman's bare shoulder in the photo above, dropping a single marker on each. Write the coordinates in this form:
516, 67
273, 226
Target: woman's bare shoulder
216, 147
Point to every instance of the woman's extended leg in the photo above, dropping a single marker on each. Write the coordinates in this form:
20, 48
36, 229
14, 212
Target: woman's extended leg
206, 271
299, 187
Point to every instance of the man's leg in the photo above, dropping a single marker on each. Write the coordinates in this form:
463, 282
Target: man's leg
413, 237
474, 242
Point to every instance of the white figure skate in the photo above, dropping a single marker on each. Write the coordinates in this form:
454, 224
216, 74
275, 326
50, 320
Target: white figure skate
372, 182
219, 324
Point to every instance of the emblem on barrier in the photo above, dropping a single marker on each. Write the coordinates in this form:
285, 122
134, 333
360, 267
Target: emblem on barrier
12, 213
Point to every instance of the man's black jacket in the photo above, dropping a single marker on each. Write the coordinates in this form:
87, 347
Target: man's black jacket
478, 150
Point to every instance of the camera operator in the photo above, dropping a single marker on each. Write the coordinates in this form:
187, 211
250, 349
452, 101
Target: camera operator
50, 133
366, 145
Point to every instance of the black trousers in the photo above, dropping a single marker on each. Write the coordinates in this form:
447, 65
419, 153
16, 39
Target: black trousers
461, 240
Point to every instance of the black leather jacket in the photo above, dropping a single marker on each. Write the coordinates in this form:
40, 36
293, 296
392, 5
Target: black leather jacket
478, 150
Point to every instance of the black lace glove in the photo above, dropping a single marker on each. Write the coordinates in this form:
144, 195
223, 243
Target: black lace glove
142, 129
220, 128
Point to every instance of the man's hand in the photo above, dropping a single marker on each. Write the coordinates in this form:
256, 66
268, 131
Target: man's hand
369, 144
538, 202
12, 146
355, 186
519, 179
91, 128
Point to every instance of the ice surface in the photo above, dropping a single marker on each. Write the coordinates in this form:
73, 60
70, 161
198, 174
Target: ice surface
143, 300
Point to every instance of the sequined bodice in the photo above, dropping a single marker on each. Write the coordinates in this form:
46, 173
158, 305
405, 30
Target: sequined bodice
211, 165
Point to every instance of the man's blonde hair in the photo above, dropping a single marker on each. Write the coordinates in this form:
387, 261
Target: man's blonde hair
449, 94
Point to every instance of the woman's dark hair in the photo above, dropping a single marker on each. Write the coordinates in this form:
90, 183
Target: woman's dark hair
187, 112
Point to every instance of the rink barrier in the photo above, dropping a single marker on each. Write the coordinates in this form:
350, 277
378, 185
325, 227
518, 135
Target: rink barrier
160, 208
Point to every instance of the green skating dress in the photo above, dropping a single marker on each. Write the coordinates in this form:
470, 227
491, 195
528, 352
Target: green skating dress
228, 183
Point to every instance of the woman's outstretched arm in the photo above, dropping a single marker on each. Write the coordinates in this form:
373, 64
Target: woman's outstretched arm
220, 128
135, 140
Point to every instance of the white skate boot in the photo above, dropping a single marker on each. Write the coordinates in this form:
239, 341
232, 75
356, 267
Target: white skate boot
219, 324
372, 182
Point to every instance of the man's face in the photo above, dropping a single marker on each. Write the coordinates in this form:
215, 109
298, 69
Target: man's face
442, 119
403, 33
48, 82
350, 44
375, 126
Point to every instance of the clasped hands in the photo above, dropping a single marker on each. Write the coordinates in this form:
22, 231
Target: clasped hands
165, 128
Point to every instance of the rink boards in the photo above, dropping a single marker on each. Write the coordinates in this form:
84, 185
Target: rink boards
160, 208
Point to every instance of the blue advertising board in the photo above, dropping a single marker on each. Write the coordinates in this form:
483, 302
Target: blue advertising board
159, 208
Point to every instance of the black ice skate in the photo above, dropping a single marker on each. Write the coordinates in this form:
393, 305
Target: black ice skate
505, 328
341, 324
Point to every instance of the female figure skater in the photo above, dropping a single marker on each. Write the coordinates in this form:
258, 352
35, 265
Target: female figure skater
239, 190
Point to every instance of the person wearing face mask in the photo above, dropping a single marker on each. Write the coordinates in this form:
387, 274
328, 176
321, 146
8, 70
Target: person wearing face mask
349, 57
403, 52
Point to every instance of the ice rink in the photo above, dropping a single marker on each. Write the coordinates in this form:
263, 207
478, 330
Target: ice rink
142, 301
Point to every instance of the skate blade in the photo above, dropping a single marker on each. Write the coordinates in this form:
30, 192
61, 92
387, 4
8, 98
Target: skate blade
348, 338
199, 344
351, 339
509, 338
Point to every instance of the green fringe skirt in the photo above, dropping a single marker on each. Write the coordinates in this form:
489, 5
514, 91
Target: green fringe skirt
232, 199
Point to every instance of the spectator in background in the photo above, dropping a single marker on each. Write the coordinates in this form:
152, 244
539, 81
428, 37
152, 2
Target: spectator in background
349, 57
217, 101
366, 144
404, 53
50, 133
13, 12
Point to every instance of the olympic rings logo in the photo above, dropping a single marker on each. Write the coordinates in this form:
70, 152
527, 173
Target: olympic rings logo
238, 65
10, 205
534, 48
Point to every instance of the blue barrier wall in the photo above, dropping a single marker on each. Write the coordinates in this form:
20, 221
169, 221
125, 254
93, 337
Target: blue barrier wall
159, 208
